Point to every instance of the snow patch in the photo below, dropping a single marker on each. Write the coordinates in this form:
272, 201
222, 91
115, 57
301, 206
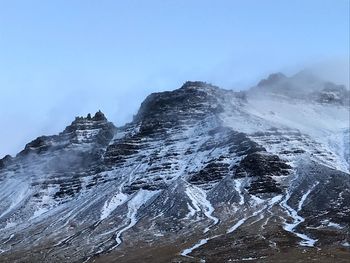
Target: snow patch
110, 205
191, 212
197, 245
335, 225
269, 204
303, 198
297, 219
346, 244
238, 188
201, 203
134, 204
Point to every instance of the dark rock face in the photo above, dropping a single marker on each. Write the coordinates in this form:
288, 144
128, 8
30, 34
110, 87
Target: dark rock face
273, 79
262, 166
5, 161
331, 195
161, 111
243, 145
39, 145
213, 172
99, 116
120, 151
238, 143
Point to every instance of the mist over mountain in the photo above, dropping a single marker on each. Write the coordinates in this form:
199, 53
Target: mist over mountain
201, 174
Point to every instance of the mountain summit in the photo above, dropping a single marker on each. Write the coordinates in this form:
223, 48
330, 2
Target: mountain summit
303, 85
201, 174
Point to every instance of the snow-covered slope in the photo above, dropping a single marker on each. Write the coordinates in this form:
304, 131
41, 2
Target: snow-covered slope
200, 174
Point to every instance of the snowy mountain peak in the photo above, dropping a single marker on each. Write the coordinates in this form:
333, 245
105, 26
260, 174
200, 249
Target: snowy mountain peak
272, 79
198, 85
98, 117
192, 101
302, 86
87, 131
201, 174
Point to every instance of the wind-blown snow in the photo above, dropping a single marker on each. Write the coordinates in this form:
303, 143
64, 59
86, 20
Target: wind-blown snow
15, 191
326, 124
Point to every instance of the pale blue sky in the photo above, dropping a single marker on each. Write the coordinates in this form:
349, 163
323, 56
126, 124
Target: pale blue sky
62, 58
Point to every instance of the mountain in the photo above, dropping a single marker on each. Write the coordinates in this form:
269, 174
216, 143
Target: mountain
201, 174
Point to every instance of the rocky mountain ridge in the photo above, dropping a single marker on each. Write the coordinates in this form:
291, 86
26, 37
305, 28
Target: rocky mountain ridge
201, 174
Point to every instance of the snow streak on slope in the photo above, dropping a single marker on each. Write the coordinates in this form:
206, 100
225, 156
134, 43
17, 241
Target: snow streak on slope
110, 205
269, 204
238, 188
297, 219
303, 198
14, 192
197, 245
201, 203
140, 198
200, 243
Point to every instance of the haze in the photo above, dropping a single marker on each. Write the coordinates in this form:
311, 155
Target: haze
61, 59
